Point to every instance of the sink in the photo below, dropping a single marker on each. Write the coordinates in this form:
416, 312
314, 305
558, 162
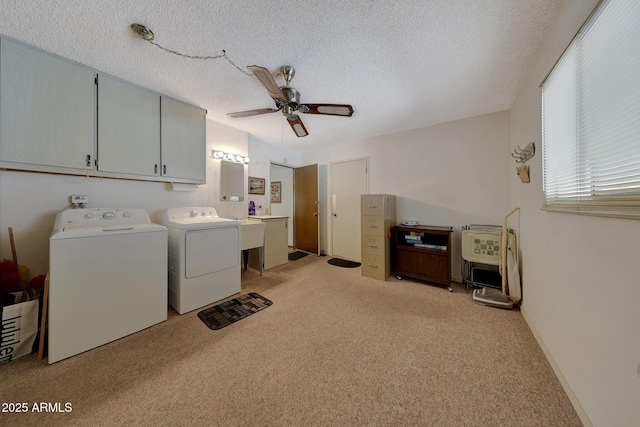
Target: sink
251, 233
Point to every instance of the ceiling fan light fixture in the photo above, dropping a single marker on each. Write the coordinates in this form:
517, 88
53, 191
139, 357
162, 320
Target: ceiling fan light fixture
287, 111
287, 100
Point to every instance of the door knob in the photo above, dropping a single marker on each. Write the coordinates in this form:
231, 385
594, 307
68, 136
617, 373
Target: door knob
315, 214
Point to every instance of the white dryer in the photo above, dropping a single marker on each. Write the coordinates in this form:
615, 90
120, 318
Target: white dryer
204, 257
107, 278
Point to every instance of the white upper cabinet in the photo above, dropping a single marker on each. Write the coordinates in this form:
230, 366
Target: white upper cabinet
128, 128
183, 133
58, 116
47, 110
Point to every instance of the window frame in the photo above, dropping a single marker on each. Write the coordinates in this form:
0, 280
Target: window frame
619, 203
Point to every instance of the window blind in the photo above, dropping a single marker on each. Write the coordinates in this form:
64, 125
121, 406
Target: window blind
591, 117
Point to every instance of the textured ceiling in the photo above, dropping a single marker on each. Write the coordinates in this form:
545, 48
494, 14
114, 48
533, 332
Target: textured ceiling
402, 65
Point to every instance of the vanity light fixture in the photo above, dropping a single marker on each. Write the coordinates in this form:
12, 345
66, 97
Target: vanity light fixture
221, 155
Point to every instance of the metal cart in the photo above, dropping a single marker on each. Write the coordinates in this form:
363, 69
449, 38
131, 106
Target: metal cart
482, 255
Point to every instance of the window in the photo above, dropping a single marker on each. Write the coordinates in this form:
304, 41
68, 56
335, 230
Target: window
591, 117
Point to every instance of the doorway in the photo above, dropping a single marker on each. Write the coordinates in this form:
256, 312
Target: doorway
306, 214
299, 202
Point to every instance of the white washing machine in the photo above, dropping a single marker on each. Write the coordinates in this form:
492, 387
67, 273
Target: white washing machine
204, 257
107, 278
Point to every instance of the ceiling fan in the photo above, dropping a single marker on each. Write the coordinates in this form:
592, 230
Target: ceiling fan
287, 100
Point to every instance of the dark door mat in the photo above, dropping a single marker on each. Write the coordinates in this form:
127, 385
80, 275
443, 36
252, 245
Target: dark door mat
228, 312
297, 255
343, 263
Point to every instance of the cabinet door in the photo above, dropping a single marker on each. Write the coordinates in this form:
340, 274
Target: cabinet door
47, 109
128, 128
424, 265
183, 141
276, 247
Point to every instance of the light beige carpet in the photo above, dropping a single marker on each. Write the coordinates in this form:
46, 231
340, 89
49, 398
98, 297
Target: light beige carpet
334, 349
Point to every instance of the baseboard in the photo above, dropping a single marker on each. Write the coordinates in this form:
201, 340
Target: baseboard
565, 385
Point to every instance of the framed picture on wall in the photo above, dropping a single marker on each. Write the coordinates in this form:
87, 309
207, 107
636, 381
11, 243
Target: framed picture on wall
256, 185
276, 192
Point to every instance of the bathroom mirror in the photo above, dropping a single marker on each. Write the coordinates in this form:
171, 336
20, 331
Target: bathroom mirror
231, 181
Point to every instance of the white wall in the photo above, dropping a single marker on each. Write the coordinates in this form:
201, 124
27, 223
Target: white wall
450, 174
580, 285
30, 201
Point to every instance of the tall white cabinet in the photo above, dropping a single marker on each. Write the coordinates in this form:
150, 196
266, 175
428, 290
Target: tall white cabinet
47, 109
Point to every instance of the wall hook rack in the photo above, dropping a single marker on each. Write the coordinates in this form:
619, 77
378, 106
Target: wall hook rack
523, 154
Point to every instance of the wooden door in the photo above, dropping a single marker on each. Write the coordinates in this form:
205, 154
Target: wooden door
306, 213
348, 181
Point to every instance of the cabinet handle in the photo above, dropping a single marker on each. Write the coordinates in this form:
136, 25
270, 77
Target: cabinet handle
372, 206
88, 160
372, 265
155, 168
373, 246
372, 226
164, 169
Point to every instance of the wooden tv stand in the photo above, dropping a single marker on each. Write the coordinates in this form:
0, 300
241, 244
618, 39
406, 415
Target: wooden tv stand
423, 252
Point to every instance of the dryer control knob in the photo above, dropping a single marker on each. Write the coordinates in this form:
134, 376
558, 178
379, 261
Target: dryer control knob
126, 215
108, 215
89, 215
193, 213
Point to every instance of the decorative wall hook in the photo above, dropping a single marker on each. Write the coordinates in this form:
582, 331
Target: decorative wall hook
523, 154
523, 173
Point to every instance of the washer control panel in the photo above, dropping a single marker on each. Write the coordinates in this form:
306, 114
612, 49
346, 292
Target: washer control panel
205, 212
102, 216
192, 212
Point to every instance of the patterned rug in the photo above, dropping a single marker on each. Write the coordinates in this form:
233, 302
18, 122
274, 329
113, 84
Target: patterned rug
228, 312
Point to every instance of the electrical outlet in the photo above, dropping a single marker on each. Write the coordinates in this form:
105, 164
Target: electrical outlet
79, 200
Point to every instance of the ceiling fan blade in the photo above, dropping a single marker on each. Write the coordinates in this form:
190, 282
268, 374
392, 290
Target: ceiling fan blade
297, 126
329, 109
267, 81
252, 112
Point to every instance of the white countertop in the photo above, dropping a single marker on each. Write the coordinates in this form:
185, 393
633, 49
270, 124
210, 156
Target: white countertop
267, 217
